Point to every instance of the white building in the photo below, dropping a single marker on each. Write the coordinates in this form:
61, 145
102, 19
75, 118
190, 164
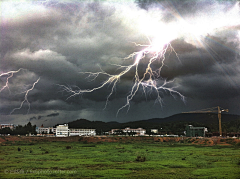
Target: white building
154, 131
42, 130
45, 130
138, 131
11, 126
62, 130
82, 132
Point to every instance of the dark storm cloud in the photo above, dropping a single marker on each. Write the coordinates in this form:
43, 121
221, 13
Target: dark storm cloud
216, 87
204, 60
53, 115
57, 41
41, 117
32, 118
184, 7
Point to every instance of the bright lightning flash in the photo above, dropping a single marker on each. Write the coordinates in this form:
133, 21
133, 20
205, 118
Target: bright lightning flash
149, 80
9, 76
193, 30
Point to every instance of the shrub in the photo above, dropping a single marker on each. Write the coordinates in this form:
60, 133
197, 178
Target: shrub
230, 141
237, 145
140, 158
238, 163
80, 139
68, 147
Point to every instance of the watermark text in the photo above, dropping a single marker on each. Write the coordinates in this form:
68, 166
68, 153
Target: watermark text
38, 171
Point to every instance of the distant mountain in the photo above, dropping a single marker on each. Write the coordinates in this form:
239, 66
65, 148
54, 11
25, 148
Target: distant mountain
173, 124
196, 117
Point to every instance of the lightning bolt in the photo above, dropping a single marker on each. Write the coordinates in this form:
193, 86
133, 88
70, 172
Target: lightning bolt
25, 97
149, 80
9, 76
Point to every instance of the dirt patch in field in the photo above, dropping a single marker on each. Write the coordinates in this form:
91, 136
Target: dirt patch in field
213, 141
10, 138
125, 139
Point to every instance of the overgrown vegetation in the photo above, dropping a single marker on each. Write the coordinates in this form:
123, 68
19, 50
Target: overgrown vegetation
117, 160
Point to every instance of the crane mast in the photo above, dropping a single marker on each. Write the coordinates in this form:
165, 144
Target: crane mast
219, 119
219, 111
220, 122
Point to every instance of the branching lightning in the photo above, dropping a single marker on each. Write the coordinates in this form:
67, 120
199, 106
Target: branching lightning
149, 80
25, 97
193, 29
9, 76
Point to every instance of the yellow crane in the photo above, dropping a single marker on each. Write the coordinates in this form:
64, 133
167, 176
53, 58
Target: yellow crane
217, 109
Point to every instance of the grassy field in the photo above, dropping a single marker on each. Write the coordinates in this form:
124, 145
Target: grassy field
117, 160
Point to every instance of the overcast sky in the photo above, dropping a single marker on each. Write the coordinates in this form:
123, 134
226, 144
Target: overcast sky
52, 44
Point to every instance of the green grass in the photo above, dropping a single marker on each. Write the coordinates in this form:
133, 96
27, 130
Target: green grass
117, 160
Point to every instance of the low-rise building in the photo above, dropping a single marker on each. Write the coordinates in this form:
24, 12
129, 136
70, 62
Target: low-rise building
195, 131
127, 130
11, 126
62, 130
45, 130
42, 130
82, 132
155, 131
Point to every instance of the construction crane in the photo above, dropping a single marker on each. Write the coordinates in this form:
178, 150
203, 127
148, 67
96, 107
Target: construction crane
217, 109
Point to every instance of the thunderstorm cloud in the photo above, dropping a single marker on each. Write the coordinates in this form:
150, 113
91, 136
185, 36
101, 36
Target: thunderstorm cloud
57, 41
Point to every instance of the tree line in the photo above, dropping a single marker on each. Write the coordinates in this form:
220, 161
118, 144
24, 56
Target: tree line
20, 130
